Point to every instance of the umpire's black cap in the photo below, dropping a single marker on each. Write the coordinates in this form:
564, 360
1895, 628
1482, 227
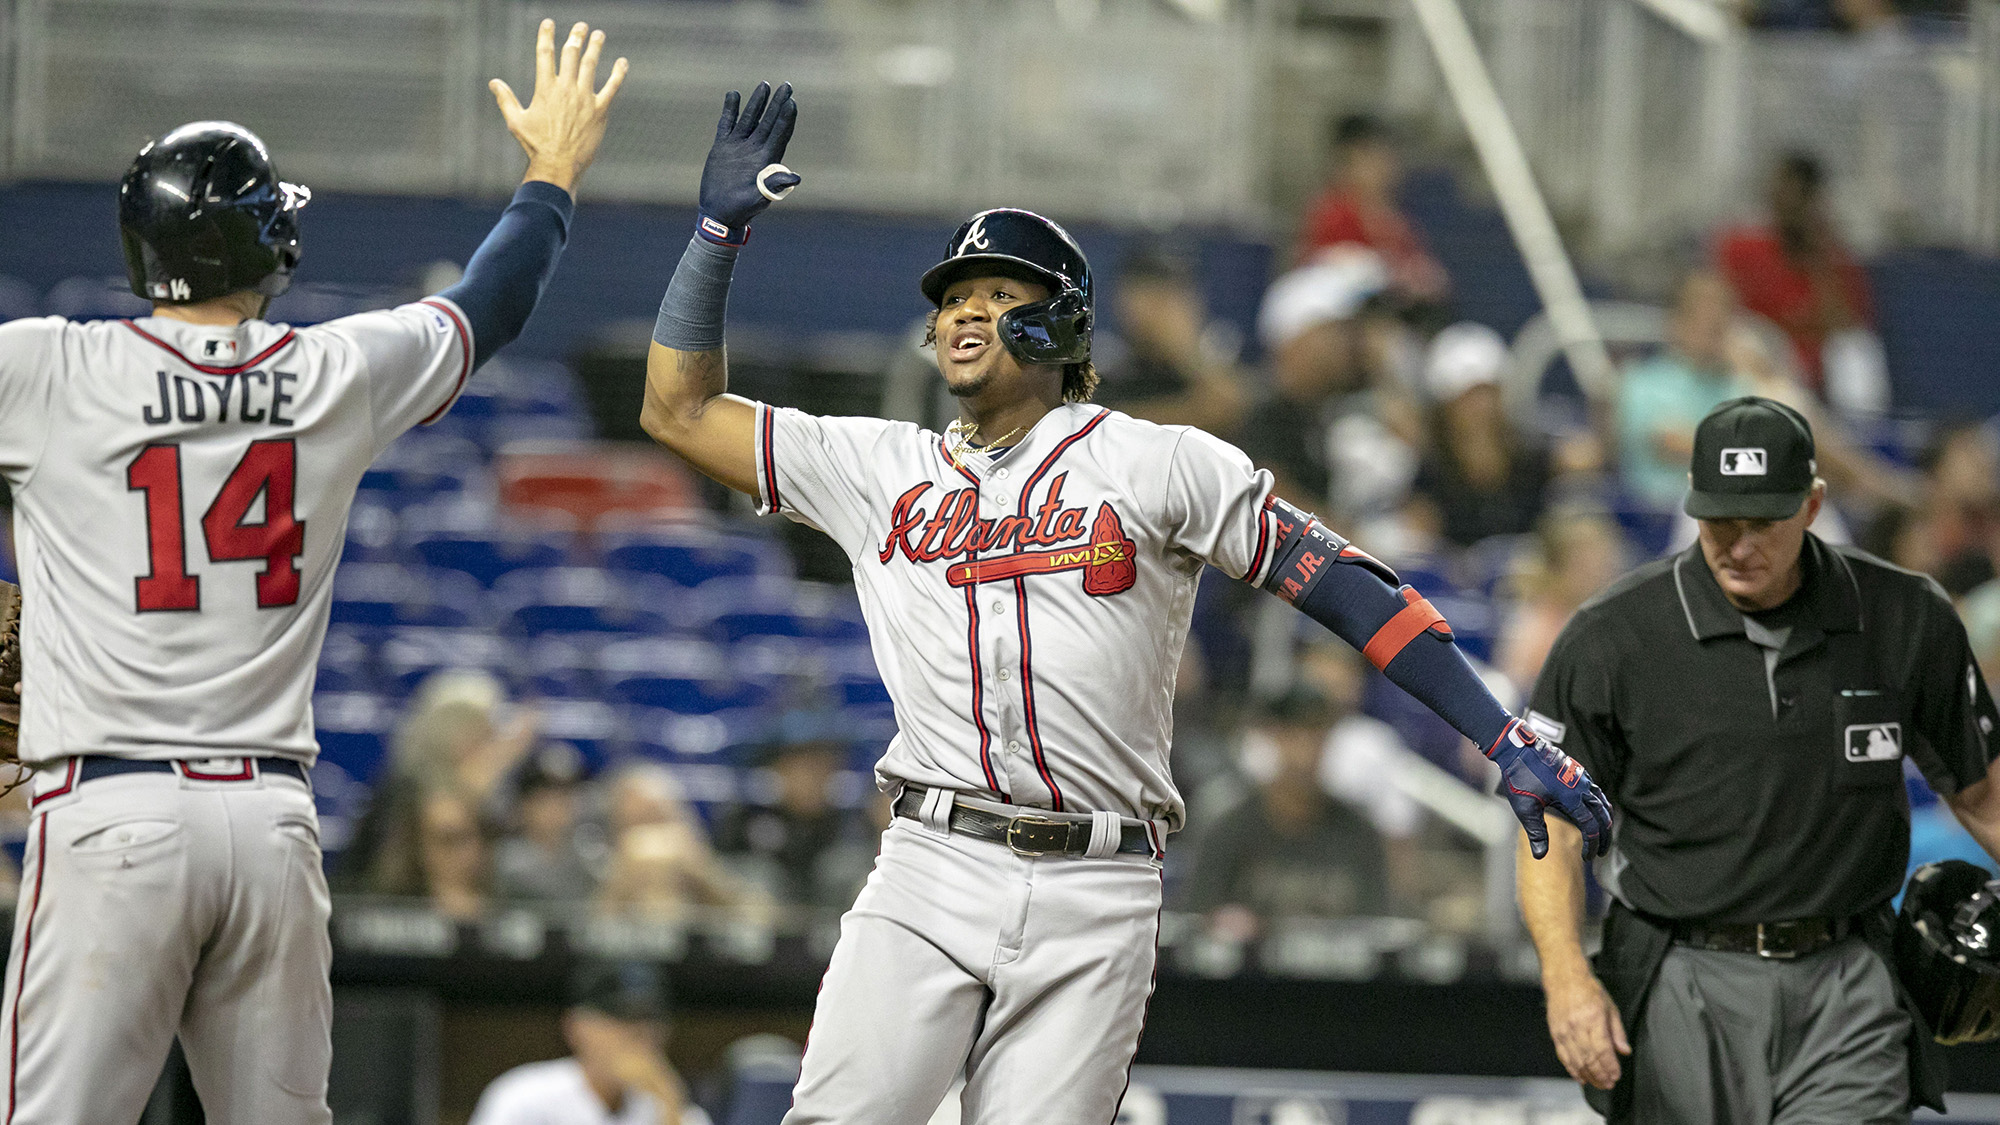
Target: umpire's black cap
1754, 459
623, 990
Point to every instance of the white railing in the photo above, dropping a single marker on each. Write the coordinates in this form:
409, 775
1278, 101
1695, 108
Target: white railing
1114, 110
1650, 121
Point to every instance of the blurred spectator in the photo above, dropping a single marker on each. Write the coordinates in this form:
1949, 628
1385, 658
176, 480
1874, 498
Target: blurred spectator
1360, 206
1333, 369
1174, 369
661, 863
1361, 754
1576, 555
1961, 512
617, 1072
455, 858
1482, 474
812, 851
547, 855
1797, 273
1288, 849
452, 737
1663, 397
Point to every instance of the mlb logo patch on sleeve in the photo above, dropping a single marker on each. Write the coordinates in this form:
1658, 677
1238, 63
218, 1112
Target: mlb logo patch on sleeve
1743, 462
1875, 742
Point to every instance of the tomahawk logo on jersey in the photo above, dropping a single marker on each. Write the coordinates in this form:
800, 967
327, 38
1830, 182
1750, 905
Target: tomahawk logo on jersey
185, 511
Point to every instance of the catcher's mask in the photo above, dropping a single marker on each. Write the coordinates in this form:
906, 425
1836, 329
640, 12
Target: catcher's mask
1013, 243
1948, 949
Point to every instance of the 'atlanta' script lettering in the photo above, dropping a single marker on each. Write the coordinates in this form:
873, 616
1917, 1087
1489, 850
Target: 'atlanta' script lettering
953, 528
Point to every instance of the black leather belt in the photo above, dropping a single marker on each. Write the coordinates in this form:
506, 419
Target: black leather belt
94, 766
1027, 834
1778, 941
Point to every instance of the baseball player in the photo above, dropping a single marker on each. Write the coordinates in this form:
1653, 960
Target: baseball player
1028, 578
181, 486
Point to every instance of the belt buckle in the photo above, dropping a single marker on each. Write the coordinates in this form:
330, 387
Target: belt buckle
1027, 835
1770, 954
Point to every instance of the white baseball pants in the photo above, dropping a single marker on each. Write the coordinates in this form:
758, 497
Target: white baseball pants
154, 905
1030, 976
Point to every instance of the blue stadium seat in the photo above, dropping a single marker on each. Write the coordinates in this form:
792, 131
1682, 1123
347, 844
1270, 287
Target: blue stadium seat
716, 736
347, 659
371, 531
564, 665
688, 696
592, 726
575, 599
733, 627
862, 692
690, 560
409, 654
385, 594
353, 730
688, 657
490, 556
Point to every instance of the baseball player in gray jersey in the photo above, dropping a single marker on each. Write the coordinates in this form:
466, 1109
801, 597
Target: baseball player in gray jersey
1028, 577
181, 487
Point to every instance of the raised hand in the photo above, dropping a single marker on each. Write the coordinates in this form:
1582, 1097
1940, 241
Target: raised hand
1535, 776
563, 123
743, 174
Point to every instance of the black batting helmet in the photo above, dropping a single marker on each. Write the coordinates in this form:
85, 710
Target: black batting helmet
1011, 242
1948, 949
203, 214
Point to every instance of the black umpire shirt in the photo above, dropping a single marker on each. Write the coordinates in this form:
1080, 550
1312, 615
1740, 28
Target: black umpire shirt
1755, 764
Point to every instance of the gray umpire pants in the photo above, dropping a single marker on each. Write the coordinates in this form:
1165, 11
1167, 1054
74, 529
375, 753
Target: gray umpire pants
1734, 1037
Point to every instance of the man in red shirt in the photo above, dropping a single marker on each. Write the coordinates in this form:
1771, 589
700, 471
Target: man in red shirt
1796, 272
1360, 206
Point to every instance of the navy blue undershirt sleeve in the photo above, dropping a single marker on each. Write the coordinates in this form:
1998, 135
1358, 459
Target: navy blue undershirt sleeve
1356, 604
507, 274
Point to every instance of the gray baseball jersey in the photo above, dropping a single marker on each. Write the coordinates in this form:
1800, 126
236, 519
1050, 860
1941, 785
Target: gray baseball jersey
1027, 611
181, 496
180, 500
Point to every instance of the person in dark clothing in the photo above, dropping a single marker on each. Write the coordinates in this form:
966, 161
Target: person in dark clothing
1750, 703
1169, 372
813, 851
1289, 849
1481, 473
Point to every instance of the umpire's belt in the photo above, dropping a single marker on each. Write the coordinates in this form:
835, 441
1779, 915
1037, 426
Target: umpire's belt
91, 767
1029, 834
1779, 941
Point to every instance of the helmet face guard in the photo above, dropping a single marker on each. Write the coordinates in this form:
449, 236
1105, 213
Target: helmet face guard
1056, 330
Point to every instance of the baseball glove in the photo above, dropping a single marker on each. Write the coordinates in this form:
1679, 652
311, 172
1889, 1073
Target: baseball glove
10, 679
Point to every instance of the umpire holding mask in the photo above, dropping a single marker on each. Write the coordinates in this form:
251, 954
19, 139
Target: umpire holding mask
1748, 706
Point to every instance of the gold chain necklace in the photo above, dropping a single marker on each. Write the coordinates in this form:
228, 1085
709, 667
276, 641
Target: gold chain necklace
960, 433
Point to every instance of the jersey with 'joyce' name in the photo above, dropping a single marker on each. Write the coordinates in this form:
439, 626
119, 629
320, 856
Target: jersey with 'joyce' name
180, 500
1027, 611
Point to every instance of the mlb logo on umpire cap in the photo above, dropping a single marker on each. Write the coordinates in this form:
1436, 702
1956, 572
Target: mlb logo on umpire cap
1742, 462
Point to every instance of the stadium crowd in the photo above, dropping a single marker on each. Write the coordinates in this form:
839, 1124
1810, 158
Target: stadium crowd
1364, 397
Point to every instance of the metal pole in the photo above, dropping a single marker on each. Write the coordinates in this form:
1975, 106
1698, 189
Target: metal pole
1521, 201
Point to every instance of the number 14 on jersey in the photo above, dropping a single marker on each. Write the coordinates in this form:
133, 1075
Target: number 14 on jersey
267, 469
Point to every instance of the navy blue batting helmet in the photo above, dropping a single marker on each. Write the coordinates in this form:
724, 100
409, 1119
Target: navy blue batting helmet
1011, 243
203, 214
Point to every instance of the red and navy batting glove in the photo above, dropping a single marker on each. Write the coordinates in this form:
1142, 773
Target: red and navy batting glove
1535, 776
749, 141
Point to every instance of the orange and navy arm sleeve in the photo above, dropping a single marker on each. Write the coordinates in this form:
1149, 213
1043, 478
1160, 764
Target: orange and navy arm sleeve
1352, 593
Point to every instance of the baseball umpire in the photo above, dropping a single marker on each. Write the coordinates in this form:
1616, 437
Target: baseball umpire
1749, 704
181, 485
1028, 577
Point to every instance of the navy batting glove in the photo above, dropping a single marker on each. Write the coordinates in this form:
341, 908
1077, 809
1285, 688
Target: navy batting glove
1535, 776
746, 144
